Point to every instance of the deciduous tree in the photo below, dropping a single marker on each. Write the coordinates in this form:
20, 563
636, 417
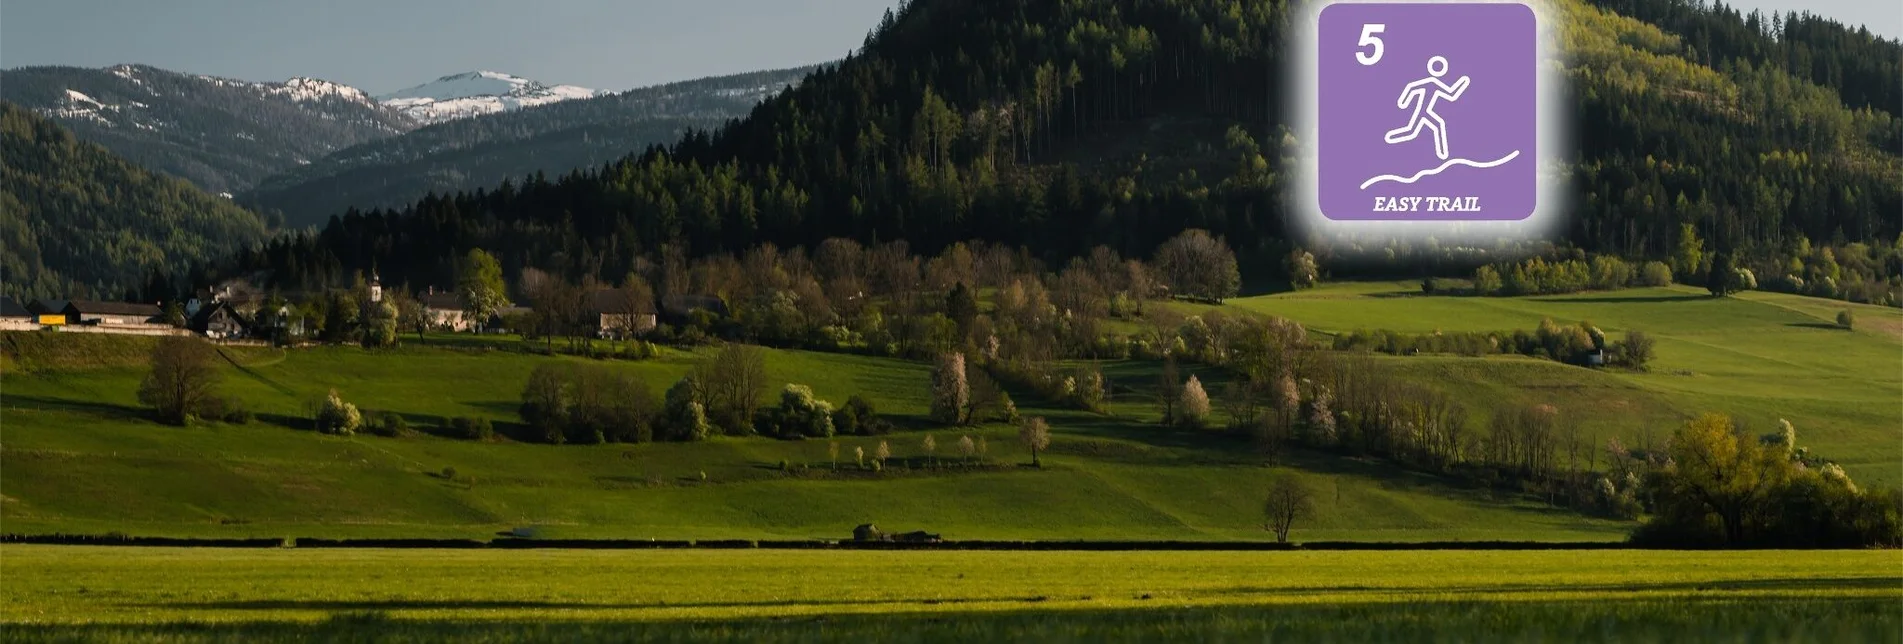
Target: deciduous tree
1289, 501
183, 381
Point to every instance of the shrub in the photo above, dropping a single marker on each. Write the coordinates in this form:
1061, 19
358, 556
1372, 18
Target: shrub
389, 423
449, 473
1636, 351
1655, 273
1487, 281
683, 417
801, 414
868, 419
1846, 319
334, 416
475, 429
587, 404
237, 415
846, 420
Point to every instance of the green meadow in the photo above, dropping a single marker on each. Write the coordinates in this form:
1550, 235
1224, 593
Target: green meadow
1758, 356
56, 593
79, 454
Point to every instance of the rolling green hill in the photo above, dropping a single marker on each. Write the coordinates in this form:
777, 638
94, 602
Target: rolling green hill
1759, 356
79, 455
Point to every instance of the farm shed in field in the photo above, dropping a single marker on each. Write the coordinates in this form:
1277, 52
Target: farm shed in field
112, 313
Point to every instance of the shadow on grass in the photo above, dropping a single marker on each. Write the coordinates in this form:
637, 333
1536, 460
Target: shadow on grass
254, 375
1716, 617
1816, 325
1365, 593
1623, 299
92, 408
409, 604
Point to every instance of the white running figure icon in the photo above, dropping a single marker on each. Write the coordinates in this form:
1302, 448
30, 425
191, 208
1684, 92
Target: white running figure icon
1424, 116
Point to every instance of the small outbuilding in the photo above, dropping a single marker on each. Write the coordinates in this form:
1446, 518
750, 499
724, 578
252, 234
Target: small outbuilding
112, 313
15, 317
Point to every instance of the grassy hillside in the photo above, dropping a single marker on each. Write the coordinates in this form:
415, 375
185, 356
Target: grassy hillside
1759, 356
79, 456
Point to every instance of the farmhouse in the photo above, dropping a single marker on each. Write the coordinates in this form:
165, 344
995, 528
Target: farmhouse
445, 310
15, 317
240, 294
219, 321
615, 316
112, 313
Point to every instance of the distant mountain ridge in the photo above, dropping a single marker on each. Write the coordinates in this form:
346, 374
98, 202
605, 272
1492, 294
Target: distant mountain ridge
222, 134
555, 138
477, 93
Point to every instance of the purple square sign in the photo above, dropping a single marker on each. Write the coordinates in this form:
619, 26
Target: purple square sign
1427, 112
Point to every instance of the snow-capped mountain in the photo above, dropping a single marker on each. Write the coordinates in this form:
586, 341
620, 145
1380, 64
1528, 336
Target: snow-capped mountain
481, 151
220, 133
477, 93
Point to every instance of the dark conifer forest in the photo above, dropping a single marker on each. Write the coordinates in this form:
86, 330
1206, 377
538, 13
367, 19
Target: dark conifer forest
1064, 125
77, 221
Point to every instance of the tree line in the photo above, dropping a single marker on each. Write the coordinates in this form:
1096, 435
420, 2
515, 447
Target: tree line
955, 122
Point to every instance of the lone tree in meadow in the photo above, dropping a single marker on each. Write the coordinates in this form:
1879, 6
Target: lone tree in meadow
883, 453
1289, 500
1194, 408
950, 391
930, 445
1036, 436
183, 380
1169, 389
966, 448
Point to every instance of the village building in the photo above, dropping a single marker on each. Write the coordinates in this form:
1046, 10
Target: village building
444, 309
48, 312
15, 317
240, 294
219, 321
615, 317
95, 313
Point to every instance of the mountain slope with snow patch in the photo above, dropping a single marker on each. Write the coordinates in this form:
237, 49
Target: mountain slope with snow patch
477, 93
222, 134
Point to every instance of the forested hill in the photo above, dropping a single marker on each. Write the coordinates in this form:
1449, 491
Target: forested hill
222, 134
1064, 125
465, 154
78, 221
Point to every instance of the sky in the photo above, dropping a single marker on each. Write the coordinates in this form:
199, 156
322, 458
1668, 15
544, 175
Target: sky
382, 46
